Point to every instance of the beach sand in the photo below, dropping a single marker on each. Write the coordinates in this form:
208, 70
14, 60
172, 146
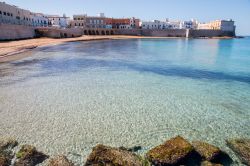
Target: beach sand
9, 50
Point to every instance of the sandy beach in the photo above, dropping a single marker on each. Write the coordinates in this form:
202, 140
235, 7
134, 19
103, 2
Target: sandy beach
9, 50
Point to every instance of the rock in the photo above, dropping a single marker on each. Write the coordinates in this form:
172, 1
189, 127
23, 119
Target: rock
29, 156
172, 152
208, 163
6, 156
6, 143
105, 155
4, 161
242, 148
207, 151
60, 161
132, 149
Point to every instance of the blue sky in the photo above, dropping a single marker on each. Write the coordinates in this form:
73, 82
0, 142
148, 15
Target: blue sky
203, 10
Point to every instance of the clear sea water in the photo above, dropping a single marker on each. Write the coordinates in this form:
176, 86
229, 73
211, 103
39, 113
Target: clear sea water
67, 98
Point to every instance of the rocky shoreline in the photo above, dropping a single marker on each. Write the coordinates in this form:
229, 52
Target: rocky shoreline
176, 151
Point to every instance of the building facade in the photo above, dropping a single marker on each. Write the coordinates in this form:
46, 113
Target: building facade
224, 25
155, 24
192, 24
10, 14
58, 21
78, 21
95, 22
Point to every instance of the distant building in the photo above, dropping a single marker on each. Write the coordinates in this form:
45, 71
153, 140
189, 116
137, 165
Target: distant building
95, 22
10, 14
122, 23
192, 24
78, 21
174, 25
85, 21
39, 20
58, 21
224, 25
155, 24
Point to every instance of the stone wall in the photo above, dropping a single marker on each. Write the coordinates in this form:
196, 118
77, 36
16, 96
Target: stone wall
150, 32
59, 33
72, 32
15, 32
210, 33
164, 33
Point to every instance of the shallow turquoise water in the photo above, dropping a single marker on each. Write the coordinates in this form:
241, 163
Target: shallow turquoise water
65, 99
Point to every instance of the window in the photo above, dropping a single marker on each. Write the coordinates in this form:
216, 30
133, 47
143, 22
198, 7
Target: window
11, 14
8, 14
0, 12
4, 13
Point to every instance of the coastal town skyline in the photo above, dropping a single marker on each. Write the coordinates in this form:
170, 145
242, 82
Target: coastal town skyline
187, 11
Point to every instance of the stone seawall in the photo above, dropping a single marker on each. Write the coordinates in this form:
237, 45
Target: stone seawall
15, 32
210, 33
59, 33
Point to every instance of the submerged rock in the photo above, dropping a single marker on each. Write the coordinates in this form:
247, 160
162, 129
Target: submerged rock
208, 163
242, 148
106, 155
132, 149
60, 161
207, 151
29, 156
172, 152
7, 143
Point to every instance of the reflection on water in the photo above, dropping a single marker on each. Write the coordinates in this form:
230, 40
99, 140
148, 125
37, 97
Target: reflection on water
69, 97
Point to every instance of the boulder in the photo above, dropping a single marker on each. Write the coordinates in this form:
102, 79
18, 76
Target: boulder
7, 143
207, 151
242, 149
173, 152
29, 156
208, 163
60, 161
106, 155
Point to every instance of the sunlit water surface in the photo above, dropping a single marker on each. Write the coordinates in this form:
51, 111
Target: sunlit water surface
65, 99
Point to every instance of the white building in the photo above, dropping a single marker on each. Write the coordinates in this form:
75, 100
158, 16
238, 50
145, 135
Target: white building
155, 24
192, 24
174, 24
10, 14
58, 21
39, 19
